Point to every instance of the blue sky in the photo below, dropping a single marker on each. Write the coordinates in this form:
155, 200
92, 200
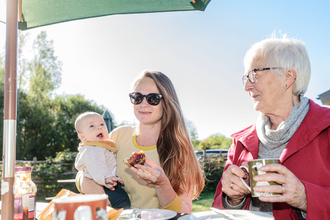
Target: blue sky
201, 52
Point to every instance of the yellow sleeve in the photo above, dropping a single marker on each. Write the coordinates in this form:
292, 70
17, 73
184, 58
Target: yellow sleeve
175, 205
78, 177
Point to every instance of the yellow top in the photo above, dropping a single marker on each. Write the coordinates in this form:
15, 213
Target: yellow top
141, 195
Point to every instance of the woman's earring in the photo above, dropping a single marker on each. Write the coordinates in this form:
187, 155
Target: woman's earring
286, 87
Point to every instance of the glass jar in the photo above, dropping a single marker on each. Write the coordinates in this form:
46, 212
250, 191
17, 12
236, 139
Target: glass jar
25, 194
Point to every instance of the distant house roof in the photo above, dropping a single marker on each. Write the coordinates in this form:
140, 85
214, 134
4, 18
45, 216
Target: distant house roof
325, 98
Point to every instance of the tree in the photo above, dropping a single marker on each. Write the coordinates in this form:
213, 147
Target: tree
45, 123
215, 141
218, 141
36, 119
37, 134
191, 130
49, 130
68, 108
45, 70
22, 64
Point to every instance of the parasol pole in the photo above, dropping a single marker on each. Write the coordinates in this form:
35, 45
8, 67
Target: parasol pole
10, 112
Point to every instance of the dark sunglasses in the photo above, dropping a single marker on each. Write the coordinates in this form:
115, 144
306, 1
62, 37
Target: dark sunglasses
152, 98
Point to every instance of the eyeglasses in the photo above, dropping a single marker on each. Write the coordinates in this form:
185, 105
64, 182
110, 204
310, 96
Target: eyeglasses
252, 75
152, 98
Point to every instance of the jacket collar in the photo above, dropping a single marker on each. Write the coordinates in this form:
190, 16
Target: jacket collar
309, 128
316, 120
249, 139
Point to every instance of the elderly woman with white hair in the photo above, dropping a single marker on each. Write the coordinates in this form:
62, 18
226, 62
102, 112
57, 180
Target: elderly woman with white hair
290, 127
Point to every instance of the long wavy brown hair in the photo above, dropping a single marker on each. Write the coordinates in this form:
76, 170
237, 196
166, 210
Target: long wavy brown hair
176, 153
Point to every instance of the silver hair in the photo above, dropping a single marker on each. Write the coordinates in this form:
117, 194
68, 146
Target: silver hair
284, 52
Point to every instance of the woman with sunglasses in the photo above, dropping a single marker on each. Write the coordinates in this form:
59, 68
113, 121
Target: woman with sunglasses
172, 176
290, 127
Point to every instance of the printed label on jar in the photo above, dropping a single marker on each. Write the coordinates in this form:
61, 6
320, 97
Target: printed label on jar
32, 205
24, 207
18, 207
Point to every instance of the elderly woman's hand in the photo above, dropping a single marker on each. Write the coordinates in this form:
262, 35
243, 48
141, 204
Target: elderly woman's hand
232, 185
152, 174
293, 190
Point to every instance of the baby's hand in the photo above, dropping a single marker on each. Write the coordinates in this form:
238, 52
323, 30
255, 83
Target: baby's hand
113, 180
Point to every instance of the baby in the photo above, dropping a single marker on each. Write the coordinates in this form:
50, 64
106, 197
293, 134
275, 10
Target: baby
97, 159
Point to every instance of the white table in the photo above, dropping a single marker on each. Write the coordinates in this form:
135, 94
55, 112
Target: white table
228, 214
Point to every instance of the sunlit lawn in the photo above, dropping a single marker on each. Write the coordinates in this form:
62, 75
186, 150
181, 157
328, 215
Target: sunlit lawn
204, 201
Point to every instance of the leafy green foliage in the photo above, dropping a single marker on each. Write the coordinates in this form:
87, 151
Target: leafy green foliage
22, 64
218, 141
213, 168
191, 130
55, 165
45, 70
45, 122
196, 144
65, 155
215, 141
45, 175
47, 127
67, 109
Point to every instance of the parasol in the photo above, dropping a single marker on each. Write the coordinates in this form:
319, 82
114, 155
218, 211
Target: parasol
36, 13
108, 120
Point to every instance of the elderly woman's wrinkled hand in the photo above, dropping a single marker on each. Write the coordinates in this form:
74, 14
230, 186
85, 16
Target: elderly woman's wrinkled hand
292, 189
232, 184
152, 174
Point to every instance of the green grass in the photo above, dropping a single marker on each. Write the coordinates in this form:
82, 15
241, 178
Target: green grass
203, 202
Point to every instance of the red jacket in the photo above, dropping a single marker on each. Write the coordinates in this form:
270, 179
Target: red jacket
307, 155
